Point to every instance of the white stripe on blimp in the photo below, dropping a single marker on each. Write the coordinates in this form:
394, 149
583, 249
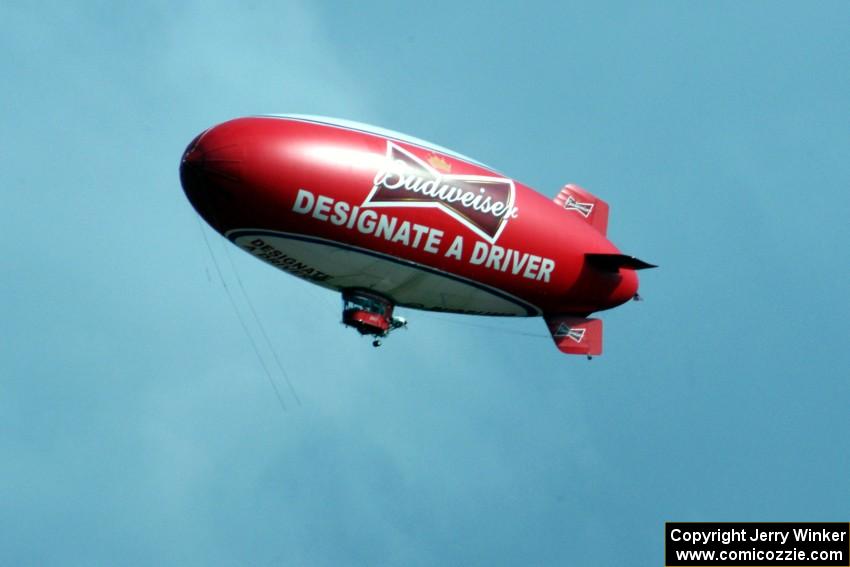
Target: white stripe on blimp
531, 310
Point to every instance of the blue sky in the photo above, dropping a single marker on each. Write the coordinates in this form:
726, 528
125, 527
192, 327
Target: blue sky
137, 425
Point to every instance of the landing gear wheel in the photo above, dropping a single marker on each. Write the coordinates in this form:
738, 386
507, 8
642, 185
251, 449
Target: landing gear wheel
376, 343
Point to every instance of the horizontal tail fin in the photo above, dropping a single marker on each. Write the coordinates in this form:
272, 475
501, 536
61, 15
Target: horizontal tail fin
586, 205
613, 262
576, 335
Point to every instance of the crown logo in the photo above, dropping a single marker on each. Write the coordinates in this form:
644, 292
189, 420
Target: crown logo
439, 163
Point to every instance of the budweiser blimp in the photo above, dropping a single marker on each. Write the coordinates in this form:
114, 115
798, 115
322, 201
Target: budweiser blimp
386, 219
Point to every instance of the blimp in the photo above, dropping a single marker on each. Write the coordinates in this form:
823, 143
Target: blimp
388, 220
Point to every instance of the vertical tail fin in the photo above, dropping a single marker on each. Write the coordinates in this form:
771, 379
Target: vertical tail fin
581, 202
575, 335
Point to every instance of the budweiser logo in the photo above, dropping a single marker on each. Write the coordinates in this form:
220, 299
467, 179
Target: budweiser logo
584, 209
482, 203
576, 334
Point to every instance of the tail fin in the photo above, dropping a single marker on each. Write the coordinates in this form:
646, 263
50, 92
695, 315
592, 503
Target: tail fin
576, 335
581, 202
613, 262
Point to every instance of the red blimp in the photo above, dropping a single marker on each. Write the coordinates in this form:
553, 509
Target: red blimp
387, 219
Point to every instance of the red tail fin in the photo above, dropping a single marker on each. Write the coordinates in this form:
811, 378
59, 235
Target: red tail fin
589, 207
576, 335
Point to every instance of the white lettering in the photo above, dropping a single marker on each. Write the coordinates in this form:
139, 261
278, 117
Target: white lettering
386, 226
323, 205
497, 209
393, 229
495, 257
366, 222
419, 230
353, 217
340, 215
456, 249
519, 263
303, 202
531, 268
433, 240
479, 253
546, 269
403, 234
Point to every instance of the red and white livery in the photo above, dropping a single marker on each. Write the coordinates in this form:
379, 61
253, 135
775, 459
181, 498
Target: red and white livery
387, 220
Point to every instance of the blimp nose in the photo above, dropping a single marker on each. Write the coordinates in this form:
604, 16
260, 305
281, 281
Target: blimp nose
212, 156
211, 170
